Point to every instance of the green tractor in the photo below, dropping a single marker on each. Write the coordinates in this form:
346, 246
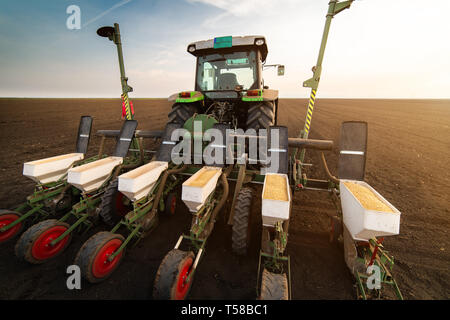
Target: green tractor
229, 84
230, 96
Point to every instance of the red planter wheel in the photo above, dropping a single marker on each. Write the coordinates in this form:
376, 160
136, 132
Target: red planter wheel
93, 256
171, 204
6, 218
183, 284
35, 245
174, 277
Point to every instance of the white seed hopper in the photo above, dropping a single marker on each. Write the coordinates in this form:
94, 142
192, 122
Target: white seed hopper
137, 183
197, 188
91, 176
276, 199
362, 221
50, 169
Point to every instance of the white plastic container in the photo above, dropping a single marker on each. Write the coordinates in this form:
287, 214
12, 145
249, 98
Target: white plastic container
137, 183
365, 224
273, 210
89, 177
50, 169
194, 194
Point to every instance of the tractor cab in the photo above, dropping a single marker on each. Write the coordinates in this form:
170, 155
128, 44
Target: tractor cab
227, 66
229, 85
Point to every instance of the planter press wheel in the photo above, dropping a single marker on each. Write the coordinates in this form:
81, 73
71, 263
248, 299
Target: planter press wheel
7, 217
34, 244
113, 206
170, 205
170, 281
92, 258
274, 286
240, 233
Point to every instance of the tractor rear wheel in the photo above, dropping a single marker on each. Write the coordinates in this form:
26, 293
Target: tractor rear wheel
93, 256
7, 217
274, 286
261, 115
181, 112
34, 246
114, 205
171, 280
240, 235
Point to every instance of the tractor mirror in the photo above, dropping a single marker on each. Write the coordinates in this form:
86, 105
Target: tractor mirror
281, 70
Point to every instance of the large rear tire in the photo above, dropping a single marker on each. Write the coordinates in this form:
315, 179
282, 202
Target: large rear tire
240, 235
261, 115
181, 112
170, 281
92, 258
274, 286
34, 246
113, 206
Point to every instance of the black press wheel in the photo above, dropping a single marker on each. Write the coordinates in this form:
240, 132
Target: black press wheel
274, 286
172, 280
240, 235
92, 258
114, 205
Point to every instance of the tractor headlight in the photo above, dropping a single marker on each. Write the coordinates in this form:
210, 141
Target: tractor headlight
259, 42
191, 48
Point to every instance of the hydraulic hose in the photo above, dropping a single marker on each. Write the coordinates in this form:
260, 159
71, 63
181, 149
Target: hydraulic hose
330, 176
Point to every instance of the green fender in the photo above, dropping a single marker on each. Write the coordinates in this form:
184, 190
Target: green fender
187, 96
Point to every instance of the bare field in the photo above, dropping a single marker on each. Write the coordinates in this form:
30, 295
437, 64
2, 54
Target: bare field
408, 152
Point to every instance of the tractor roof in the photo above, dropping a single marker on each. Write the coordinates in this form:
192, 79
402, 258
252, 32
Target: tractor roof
229, 43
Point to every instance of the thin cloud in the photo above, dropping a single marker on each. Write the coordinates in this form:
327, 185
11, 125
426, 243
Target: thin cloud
107, 11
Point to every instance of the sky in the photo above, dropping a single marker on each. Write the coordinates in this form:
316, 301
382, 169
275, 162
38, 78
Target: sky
376, 49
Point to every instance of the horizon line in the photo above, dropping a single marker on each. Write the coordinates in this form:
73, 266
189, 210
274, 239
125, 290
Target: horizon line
164, 98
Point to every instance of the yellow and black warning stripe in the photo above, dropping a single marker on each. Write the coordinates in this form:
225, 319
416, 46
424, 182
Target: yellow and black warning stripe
127, 106
309, 113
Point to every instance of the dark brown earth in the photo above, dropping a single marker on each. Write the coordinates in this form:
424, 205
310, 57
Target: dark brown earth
408, 152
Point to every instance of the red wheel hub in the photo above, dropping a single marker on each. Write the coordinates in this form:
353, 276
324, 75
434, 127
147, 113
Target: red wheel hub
121, 208
5, 220
182, 284
101, 266
42, 248
173, 205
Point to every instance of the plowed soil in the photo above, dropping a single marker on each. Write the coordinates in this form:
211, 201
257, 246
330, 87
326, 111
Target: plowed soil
408, 156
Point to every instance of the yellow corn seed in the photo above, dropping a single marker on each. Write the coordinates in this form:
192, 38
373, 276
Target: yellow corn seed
202, 178
276, 188
367, 198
